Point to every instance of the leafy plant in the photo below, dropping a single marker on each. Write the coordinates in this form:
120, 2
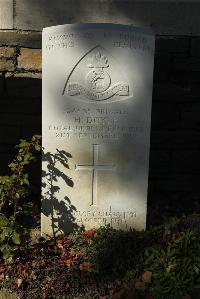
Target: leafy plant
169, 252
175, 262
109, 251
13, 192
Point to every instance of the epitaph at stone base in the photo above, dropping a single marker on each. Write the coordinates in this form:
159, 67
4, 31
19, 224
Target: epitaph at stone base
97, 86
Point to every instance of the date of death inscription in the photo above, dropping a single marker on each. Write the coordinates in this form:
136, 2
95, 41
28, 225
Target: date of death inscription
109, 217
94, 131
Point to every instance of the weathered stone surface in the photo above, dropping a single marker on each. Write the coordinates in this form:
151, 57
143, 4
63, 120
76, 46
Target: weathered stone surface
20, 119
28, 132
9, 134
17, 105
170, 91
173, 44
6, 65
186, 161
26, 39
165, 116
28, 75
6, 148
30, 59
5, 158
6, 14
178, 183
1, 84
185, 77
7, 52
159, 161
167, 18
190, 116
175, 139
24, 88
96, 106
195, 46
24, 74
162, 67
187, 64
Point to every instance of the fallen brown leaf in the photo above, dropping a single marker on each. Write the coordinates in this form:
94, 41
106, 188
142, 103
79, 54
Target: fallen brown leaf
2, 276
63, 244
87, 267
90, 233
146, 276
140, 285
19, 282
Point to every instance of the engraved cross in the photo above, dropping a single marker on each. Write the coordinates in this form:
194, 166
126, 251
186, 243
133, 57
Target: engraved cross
95, 167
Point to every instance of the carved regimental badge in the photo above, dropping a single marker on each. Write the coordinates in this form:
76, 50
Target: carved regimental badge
97, 77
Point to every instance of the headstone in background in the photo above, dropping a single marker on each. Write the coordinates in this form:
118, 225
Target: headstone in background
97, 90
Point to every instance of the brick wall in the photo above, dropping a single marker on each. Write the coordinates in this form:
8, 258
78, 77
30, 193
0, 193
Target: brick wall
20, 99
174, 178
20, 62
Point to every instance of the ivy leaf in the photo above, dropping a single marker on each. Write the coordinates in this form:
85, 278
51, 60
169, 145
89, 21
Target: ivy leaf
26, 182
3, 220
2, 236
36, 137
16, 238
24, 143
37, 147
19, 158
12, 166
12, 218
196, 269
7, 254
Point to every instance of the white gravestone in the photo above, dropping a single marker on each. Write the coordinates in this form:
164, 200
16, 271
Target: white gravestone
97, 94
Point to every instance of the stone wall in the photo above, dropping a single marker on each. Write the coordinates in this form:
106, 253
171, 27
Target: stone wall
20, 62
20, 93
175, 136
174, 179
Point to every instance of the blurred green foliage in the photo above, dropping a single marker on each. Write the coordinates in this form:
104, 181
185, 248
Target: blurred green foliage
13, 195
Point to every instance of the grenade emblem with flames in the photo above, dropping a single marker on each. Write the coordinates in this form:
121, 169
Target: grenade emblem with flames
97, 77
